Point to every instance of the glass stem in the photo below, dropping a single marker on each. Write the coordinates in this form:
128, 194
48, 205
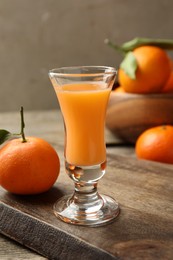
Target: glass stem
87, 197
85, 188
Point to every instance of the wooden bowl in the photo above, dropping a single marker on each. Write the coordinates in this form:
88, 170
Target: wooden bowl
128, 115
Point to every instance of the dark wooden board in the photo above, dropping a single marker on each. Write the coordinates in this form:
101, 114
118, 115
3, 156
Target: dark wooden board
144, 229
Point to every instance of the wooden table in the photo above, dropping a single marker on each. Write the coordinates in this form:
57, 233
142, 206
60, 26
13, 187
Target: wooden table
144, 190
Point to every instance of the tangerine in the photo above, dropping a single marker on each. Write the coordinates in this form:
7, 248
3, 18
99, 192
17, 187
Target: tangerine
153, 70
119, 89
29, 167
156, 144
168, 87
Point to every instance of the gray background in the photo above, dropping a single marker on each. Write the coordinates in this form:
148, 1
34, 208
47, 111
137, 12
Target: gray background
37, 35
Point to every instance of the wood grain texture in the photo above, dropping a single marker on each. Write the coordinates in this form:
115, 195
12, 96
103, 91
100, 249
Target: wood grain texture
128, 115
144, 229
146, 215
10, 249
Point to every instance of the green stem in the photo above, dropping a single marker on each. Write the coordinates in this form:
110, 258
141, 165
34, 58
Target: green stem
114, 46
22, 126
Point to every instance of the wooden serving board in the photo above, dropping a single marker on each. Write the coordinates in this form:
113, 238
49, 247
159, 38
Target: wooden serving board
144, 229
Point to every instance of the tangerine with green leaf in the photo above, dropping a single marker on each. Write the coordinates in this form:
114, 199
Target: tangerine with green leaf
151, 70
28, 165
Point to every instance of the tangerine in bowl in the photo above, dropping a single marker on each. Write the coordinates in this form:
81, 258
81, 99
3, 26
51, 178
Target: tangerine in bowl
128, 114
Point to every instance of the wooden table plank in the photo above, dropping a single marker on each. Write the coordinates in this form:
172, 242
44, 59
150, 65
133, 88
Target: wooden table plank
135, 223
143, 189
10, 249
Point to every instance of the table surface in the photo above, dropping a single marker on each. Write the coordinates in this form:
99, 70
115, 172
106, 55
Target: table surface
145, 196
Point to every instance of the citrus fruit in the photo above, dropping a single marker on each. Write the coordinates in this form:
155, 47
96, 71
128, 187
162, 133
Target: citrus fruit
119, 89
29, 167
153, 70
156, 144
168, 87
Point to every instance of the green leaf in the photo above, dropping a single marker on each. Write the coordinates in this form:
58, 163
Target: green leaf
4, 136
166, 44
137, 42
129, 65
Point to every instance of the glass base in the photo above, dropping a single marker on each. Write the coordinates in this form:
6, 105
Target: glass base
96, 210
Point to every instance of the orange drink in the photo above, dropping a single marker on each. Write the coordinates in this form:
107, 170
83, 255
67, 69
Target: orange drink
83, 107
83, 94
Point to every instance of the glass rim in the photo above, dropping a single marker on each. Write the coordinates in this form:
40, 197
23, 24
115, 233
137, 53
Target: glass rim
71, 71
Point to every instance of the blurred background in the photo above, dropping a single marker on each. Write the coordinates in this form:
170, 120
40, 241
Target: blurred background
38, 35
